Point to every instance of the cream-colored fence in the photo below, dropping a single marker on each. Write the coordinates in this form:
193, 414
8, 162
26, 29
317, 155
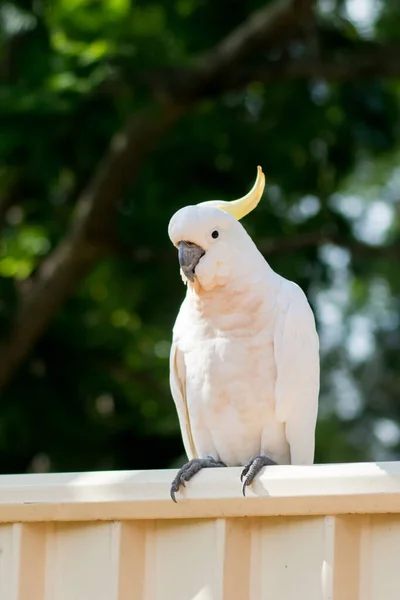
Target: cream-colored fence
327, 532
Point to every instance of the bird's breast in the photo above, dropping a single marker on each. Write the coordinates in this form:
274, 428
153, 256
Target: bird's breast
230, 374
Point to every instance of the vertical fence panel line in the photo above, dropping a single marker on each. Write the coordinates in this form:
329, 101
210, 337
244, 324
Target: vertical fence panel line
328, 558
346, 557
51, 561
130, 553
32, 561
365, 564
235, 543
150, 561
10, 571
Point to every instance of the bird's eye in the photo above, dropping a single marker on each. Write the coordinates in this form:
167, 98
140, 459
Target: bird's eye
215, 234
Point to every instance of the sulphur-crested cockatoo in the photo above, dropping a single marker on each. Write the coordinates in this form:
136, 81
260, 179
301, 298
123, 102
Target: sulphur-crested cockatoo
244, 364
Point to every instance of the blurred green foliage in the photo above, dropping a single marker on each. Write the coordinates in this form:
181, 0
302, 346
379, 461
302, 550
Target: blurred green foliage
94, 392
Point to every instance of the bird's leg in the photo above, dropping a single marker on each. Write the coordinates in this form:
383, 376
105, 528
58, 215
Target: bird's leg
191, 468
253, 468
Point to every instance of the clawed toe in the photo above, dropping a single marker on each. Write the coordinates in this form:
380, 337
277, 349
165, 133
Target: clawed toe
189, 470
251, 470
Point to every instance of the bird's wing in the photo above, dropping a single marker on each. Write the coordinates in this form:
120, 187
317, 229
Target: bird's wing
296, 348
177, 380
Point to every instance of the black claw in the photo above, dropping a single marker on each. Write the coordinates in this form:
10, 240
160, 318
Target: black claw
175, 487
245, 470
252, 469
189, 470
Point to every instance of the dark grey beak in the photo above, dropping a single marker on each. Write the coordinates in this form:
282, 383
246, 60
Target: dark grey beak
189, 255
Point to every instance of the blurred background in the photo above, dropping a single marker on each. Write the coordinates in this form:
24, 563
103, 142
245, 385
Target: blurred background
116, 113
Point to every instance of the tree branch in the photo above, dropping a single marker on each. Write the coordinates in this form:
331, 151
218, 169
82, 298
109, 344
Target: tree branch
76, 254
379, 61
363, 60
277, 21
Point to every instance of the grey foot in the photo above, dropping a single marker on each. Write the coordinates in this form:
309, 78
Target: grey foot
253, 468
191, 468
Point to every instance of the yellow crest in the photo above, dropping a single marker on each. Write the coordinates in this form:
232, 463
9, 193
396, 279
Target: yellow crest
241, 207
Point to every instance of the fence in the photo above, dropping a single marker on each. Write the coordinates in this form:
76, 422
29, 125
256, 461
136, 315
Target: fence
329, 532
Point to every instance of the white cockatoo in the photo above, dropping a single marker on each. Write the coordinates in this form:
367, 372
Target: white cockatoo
244, 364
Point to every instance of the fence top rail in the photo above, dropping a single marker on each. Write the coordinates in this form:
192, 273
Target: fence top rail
282, 490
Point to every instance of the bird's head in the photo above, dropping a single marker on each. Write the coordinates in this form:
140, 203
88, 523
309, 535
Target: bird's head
210, 239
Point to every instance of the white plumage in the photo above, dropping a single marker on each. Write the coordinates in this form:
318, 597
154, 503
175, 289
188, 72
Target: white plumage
244, 366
